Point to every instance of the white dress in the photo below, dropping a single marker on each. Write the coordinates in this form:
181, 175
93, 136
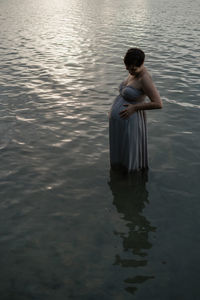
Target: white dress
128, 137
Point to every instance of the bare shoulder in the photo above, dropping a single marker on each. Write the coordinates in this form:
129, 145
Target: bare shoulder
146, 77
147, 83
149, 88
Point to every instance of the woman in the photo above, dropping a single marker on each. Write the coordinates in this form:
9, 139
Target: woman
127, 121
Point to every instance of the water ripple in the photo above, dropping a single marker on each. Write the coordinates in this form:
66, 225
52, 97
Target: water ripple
61, 64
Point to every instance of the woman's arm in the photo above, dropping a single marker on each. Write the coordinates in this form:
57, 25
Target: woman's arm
151, 91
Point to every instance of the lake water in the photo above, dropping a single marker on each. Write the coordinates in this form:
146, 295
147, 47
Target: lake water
70, 229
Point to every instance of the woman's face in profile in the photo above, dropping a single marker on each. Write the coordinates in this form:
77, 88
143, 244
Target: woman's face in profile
134, 70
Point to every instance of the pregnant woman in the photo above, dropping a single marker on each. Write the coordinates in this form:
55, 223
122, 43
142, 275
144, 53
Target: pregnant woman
127, 120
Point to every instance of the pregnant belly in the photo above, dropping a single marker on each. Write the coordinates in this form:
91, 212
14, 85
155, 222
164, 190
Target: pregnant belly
117, 107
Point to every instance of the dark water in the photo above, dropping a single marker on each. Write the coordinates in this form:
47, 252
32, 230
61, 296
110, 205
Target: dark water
70, 229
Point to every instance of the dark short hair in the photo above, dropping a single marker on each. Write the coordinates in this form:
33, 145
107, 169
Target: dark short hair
134, 56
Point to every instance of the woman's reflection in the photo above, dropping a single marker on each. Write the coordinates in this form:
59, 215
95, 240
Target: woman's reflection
129, 197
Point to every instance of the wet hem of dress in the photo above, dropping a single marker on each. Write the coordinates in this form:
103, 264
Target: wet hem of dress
125, 170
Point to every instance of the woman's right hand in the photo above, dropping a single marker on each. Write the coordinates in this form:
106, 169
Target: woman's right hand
126, 113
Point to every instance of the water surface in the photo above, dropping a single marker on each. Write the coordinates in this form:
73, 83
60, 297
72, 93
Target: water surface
69, 228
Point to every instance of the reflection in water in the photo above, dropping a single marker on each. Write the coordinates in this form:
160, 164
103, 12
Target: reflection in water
129, 197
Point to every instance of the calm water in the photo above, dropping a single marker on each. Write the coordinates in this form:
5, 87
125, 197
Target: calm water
69, 229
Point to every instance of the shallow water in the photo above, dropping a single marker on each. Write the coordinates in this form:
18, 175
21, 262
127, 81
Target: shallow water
69, 229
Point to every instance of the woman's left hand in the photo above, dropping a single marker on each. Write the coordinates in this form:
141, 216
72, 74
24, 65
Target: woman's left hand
126, 113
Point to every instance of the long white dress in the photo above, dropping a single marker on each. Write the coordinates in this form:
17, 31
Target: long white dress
128, 137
